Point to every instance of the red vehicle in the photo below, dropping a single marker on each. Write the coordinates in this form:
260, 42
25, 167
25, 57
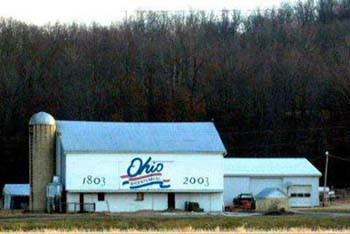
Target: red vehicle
244, 201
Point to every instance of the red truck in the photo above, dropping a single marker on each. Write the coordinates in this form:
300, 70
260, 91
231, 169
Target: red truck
244, 201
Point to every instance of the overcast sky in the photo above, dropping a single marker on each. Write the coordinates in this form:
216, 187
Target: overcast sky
106, 11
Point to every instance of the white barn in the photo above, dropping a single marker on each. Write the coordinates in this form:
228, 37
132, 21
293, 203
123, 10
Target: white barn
297, 177
122, 167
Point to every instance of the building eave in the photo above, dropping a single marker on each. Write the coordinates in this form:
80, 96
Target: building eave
272, 175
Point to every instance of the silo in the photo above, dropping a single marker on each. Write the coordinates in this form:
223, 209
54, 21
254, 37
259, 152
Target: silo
42, 129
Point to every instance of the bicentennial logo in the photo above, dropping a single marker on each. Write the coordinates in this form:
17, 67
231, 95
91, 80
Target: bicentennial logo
144, 174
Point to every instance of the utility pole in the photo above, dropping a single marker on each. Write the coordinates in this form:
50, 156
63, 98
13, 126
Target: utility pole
325, 179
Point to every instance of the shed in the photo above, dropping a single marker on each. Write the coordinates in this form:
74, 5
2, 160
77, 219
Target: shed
296, 177
271, 199
16, 196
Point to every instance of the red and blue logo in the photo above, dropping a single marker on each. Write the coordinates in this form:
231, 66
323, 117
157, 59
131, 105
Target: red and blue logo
143, 174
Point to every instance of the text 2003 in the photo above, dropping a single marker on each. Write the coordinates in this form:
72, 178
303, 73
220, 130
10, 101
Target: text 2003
197, 180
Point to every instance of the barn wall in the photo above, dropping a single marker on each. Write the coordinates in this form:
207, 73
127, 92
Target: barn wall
207, 201
72, 198
123, 202
126, 202
178, 172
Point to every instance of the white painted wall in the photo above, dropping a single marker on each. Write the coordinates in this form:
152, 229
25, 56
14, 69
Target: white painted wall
207, 201
123, 202
258, 184
311, 180
234, 185
182, 172
72, 198
7, 201
126, 202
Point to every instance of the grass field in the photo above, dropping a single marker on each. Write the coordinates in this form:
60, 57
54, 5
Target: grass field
116, 223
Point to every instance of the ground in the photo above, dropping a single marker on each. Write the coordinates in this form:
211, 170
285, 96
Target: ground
340, 206
321, 219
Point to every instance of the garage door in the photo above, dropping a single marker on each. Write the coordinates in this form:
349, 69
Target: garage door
258, 184
300, 196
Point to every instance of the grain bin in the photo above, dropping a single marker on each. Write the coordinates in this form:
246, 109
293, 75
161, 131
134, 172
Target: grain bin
271, 200
42, 130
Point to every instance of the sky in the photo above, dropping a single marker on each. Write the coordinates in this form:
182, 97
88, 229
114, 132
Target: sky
104, 12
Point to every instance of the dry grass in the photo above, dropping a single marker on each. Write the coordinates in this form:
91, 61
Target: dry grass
115, 223
190, 230
338, 206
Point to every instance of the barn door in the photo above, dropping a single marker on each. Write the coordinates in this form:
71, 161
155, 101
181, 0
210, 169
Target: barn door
81, 202
171, 200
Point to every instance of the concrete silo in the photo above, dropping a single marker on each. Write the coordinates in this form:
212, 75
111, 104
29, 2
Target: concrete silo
42, 131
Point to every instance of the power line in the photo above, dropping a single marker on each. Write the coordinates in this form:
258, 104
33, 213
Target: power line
281, 130
339, 158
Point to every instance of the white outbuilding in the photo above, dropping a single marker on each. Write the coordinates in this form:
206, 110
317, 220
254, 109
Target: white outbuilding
15, 196
296, 177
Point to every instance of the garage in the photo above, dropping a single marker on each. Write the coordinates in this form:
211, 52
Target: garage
300, 195
296, 177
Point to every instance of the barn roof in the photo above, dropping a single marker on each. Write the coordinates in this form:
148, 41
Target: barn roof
84, 136
16, 189
269, 167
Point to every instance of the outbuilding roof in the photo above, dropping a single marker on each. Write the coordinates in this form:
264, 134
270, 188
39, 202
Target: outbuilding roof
271, 193
16, 189
85, 136
269, 167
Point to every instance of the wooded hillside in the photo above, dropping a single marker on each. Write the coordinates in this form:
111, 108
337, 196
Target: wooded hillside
276, 83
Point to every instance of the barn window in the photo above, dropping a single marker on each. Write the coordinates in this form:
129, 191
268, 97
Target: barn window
139, 197
101, 196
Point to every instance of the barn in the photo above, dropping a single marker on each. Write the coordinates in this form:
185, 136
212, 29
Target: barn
296, 177
123, 167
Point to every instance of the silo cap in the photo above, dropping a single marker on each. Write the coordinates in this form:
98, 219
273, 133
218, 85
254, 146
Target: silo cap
42, 118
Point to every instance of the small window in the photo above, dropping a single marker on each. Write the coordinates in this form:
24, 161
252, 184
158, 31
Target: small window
139, 196
293, 195
300, 195
307, 195
100, 196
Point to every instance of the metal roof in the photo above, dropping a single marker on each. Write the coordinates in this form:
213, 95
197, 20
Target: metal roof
271, 192
269, 167
16, 189
171, 137
42, 118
